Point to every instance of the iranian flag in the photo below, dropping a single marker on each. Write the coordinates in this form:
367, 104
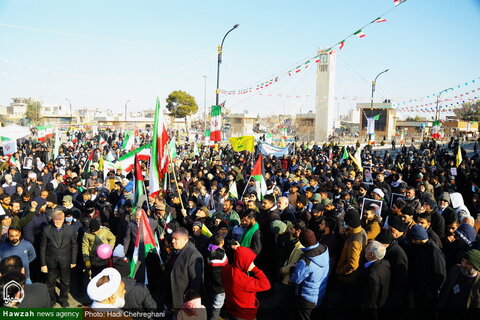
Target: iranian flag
436, 130
127, 161
378, 20
258, 177
207, 137
49, 131
14, 162
128, 141
41, 133
102, 142
397, 2
216, 124
144, 244
359, 34
159, 162
342, 44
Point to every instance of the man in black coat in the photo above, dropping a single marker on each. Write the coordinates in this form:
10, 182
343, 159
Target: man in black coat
61, 256
396, 256
132, 230
374, 281
426, 269
183, 270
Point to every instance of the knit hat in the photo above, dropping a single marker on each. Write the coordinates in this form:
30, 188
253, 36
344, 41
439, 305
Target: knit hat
278, 227
52, 197
307, 238
67, 198
431, 203
122, 267
408, 211
396, 222
302, 198
317, 207
197, 224
379, 192
94, 225
222, 224
317, 197
352, 219
326, 202
385, 236
467, 233
418, 232
473, 256
445, 196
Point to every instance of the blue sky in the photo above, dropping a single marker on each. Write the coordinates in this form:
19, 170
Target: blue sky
103, 53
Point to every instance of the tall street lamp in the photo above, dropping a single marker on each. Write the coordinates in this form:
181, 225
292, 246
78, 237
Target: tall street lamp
220, 48
205, 105
370, 136
437, 109
126, 111
71, 114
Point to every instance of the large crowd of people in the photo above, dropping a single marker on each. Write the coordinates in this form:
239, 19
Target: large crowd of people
393, 233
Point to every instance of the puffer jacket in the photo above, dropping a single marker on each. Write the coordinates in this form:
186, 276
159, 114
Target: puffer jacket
311, 273
91, 242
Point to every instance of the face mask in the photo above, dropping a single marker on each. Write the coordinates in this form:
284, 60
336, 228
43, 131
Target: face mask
69, 219
119, 302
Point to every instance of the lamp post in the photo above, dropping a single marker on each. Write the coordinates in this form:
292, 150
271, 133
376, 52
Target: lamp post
71, 114
126, 111
437, 109
220, 48
371, 100
205, 105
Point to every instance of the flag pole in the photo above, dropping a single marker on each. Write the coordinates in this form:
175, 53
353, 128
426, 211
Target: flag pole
175, 178
245, 189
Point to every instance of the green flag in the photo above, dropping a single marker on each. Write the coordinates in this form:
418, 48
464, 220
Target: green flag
376, 117
172, 148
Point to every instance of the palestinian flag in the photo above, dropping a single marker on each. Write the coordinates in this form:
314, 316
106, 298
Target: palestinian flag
345, 155
378, 20
144, 244
397, 2
127, 161
159, 162
359, 34
102, 142
139, 183
474, 187
216, 124
341, 44
89, 161
259, 178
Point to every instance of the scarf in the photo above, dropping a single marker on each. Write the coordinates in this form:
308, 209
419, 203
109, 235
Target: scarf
247, 236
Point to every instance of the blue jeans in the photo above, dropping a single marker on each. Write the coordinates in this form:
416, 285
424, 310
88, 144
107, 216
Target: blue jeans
217, 304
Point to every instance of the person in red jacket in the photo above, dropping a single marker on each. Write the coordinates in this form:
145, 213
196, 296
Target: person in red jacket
242, 280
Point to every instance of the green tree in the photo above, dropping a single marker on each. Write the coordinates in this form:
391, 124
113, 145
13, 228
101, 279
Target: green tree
469, 111
181, 104
416, 118
33, 111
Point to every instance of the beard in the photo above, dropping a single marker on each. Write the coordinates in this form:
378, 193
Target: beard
468, 273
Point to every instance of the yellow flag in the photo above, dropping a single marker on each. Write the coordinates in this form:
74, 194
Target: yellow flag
205, 231
458, 158
282, 143
242, 143
432, 163
100, 163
